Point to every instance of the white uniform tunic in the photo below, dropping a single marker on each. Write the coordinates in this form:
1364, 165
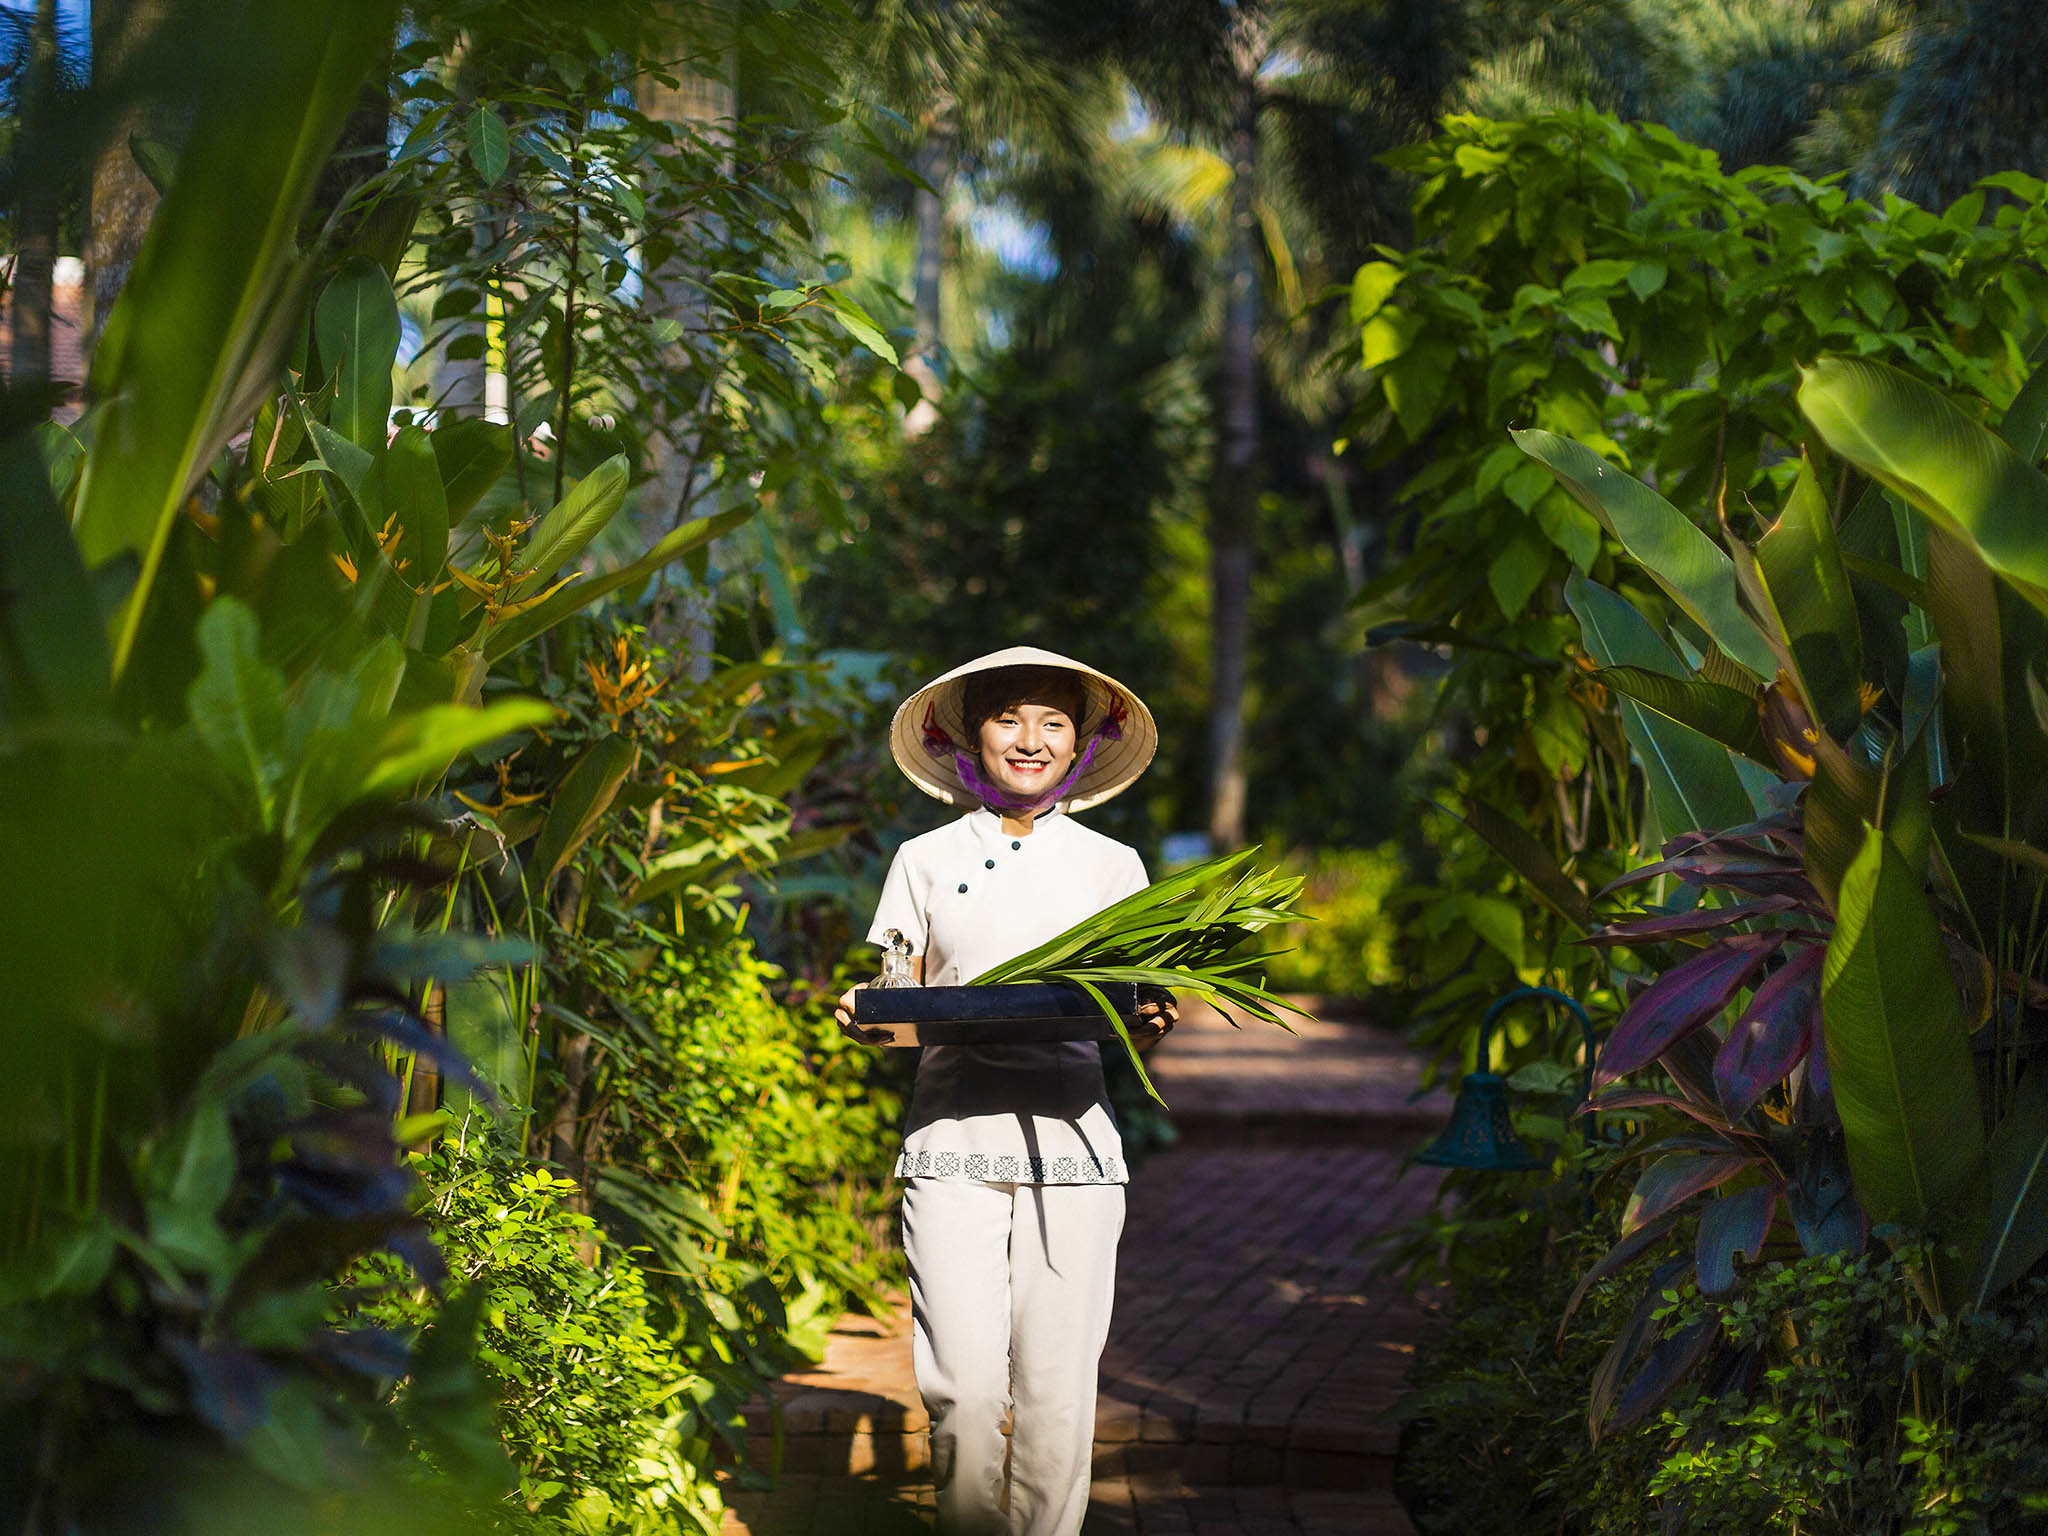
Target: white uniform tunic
968, 896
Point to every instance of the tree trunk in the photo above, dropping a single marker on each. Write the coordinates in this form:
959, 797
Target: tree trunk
123, 199
938, 157
1234, 495
35, 247
359, 154
675, 487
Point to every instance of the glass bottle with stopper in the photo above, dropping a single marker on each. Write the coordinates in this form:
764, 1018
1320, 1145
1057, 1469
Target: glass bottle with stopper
896, 971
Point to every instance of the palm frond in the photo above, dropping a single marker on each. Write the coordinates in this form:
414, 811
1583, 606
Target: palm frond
1177, 934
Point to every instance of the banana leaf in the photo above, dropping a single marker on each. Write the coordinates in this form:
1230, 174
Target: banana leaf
1809, 594
1692, 782
1693, 571
203, 322
1912, 439
1898, 1057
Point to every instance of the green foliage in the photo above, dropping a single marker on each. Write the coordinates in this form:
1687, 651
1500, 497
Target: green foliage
1867, 1414
258, 782
1875, 657
1494, 1439
1857, 1412
714, 1125
610, 1422
760, 1109
1611, 285
199, 331
1183, 932
548, 156
1898, 1061
1349, 950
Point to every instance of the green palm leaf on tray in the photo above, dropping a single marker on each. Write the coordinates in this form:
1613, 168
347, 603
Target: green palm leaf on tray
1179, 934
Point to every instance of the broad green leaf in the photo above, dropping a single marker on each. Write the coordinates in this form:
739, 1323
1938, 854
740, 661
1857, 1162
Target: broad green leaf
53, 639
203, 321
1692, 783
156, 158
859, 324
1816, 613
357, 475
1529, 859
1517, 567
1688, 565
1496, 921
1371, 287
329, 726
585, 794
2016, 1168
75, 1262
2025, 423
490, 145
1567, 525
422, 744
1415, 383
571, 524
1961, 596
356, 324
472, 454
1726, 715
1912, 439
194, 1170
539, 619
1387, 335
1646, 277
1898, 1057
236, 704
1603, 273
414, 493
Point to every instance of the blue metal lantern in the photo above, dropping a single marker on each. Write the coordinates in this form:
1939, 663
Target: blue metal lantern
1481, 1134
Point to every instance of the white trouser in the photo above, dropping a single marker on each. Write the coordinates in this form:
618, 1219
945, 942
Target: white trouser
1010, 1288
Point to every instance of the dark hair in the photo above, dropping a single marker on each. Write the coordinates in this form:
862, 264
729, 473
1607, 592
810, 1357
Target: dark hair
985, 695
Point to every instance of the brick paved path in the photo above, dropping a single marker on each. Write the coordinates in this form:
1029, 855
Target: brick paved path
1252, 1357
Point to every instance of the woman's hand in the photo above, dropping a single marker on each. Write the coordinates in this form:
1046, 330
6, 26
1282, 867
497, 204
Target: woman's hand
1157, 1005
843, 1016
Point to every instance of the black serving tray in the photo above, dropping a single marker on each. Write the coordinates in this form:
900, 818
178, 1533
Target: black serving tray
1004, 1013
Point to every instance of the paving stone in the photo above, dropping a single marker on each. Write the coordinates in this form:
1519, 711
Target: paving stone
1167, 1419
1115, 1419
1252, 1464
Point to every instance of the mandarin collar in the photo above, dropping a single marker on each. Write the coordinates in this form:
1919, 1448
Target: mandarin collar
988, 825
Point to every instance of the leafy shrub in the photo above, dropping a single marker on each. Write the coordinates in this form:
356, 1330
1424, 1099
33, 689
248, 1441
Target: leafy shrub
1860, 1412
1495, 1439
1872, 1414
1349, 950
767, 1114
610, 1425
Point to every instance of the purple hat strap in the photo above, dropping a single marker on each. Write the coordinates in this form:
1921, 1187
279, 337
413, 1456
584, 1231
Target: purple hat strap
969, 769
968, 765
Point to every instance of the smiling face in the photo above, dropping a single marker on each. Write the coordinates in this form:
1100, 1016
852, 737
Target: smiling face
1027, 747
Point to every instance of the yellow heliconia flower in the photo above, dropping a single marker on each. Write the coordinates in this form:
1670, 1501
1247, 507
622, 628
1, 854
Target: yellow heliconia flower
633, 686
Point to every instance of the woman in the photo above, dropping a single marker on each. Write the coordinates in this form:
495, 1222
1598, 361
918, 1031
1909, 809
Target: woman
1015, 1196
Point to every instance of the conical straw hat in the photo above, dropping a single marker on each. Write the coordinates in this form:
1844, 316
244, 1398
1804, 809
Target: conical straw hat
931, 725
